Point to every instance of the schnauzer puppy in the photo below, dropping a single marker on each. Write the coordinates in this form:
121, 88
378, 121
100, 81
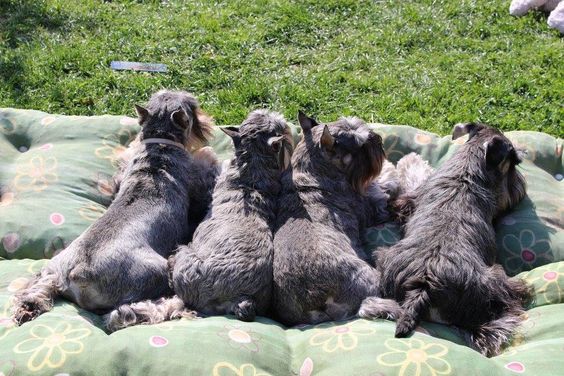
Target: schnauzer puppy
227, 269
122, 257
328, 198
444, 270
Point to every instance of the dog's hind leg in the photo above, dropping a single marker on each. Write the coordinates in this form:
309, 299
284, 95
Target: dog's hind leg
379, 308
147, 312
245, 308
414, 306
510, 295
489, 338
36, 298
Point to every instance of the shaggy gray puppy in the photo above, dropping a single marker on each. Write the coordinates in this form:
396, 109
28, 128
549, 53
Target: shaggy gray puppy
227, 269
328, 198
122, 257
444, 270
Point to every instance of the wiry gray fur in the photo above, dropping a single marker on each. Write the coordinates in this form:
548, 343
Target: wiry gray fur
328, 198
227, 269
122, 257
444, 267
228, 266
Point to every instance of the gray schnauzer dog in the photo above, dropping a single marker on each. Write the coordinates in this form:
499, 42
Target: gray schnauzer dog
328, 198
443, 270
122, 257
227, 269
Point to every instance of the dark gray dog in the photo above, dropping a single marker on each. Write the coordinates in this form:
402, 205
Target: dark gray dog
227, 269
444, 270
328, 198
121, 258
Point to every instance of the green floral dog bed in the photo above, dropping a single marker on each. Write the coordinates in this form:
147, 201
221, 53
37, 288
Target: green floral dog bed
55, 181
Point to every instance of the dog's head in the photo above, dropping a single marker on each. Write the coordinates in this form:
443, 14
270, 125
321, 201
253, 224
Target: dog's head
175, 115
349, 146
499, 159
264, 136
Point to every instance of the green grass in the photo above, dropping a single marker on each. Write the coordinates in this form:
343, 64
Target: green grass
425, 63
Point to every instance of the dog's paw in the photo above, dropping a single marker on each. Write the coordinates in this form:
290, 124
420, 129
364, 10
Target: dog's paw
378, 308
404, 327
245, 310
26, 311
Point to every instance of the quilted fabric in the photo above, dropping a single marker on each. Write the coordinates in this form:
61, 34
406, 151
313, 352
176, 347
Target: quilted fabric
55, 181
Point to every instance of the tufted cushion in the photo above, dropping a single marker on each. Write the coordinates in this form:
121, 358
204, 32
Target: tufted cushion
55, 180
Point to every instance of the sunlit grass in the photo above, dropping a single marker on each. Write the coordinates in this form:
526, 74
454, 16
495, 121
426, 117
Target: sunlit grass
425, 63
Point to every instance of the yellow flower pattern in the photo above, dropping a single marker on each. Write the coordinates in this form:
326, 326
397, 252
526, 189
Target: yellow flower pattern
91, 212
228, 369
6, 323
548, 281
37, 174
110, 152
340, 337
415, 357
49, 347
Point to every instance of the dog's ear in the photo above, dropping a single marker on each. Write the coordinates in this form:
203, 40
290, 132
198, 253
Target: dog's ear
462, 129
327, 139
181, 119
497, 151
142, 114
275, 143
306, 123
282, 149
233, 132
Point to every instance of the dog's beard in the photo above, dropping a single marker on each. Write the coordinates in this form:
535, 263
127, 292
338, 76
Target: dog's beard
366, 165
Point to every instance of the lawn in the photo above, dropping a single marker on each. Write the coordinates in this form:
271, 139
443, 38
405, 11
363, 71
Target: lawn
425, 63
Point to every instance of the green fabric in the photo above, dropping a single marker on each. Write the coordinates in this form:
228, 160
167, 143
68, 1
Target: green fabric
54, 181
71, 340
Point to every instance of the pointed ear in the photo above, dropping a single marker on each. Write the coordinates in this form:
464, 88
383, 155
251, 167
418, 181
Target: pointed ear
275, 143
232, 132
497, 150
327, 139
142, 114
283, 150
462, 129
306, 123
180, 119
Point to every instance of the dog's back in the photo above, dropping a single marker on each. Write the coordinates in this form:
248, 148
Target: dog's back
228, 266
122, 256
444, 267
319, 268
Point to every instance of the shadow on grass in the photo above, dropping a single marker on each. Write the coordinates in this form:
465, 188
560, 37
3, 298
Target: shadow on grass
20, 19
20, 23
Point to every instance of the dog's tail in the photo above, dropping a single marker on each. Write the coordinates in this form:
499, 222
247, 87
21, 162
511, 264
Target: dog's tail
147, 312
245, 309
415, 303
36, 298
379, 308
